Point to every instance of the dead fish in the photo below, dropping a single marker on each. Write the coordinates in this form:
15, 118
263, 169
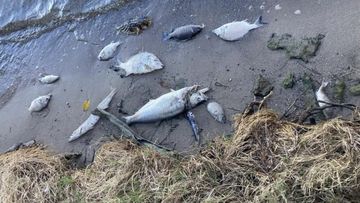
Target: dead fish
108, 51
90, 122
216, 111
321, 96
48, 79
20, 145
236, 30
143, 62
195, 128
168, 105
185, 32
39, 103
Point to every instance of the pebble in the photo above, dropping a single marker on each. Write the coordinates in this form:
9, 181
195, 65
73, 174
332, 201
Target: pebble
297, 12
278, 7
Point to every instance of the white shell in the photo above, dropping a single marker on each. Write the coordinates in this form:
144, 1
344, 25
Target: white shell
48, 79
39, 103
235, 30
143, 62
321, 96
165, 106
216, 111
108, 51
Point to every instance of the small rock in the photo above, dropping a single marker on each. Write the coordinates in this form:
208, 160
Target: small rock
297, 12
278, 7
355, 90
289, 81
262, 87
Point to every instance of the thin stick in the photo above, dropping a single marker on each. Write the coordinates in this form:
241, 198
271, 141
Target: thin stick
128, 132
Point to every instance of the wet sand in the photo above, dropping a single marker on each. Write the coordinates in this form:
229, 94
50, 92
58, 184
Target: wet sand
204, 60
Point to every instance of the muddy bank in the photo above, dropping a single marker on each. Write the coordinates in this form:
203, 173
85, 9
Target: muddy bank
204, 60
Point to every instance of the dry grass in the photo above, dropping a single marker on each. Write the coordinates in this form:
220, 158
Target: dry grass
266, 160
30, 175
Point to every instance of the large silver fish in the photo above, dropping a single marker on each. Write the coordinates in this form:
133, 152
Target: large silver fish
236, 30
183, 33
143, 62
169, 105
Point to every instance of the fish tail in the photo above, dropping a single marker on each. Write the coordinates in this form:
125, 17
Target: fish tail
258, 22
118, 43
166, 36
324, 84
127, 119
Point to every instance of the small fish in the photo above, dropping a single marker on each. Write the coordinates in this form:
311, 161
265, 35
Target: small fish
183, 33
168, 105
108, 51
21, 145
90, 122
321, 96
216, 111
143, 62
236, 30
39, 103
48, 79
86, 105
195, 128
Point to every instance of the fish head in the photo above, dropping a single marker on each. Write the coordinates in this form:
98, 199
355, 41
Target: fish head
196, 98
48, 97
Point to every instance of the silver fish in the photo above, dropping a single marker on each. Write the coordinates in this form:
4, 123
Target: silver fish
216, 111
236, 30
195, 128
48, 79
321, 96
168, 105
185, 32
108, 51
90, 122
143, 62
39, 103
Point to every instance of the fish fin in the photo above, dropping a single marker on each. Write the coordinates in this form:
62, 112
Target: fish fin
118, 43
258, 22
122, 71
204, 90
166, 36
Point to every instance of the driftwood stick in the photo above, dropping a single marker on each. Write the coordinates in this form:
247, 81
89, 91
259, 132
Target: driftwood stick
128, 132
317, 110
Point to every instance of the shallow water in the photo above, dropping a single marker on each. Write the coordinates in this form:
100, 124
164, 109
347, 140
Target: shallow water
26, 19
